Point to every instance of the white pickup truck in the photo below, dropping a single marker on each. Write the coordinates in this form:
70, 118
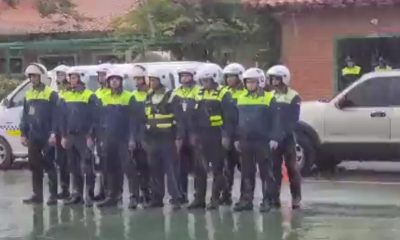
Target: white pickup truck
360, 123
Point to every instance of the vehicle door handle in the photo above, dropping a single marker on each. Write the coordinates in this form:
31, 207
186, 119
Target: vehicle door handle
378, 114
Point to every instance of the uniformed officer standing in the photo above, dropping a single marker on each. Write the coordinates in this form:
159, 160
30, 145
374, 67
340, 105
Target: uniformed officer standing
183, 103
254, 131
100, 92
139, 154
288, 107
159, 138
116, 115
213, 127
58, 151
233, 79
38, 126
78, 113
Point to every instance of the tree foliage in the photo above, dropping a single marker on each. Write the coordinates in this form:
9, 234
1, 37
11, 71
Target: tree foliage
48, 8
200, 27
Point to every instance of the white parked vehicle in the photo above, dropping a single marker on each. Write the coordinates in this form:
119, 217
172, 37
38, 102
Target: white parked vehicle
360, 123
11, 106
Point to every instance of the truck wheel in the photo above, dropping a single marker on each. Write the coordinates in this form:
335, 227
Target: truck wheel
305, 153
6, 159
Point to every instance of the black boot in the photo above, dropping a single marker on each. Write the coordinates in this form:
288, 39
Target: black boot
89, 198
64, 194
265, 206
212, 205
133, 203
99, 197
243, 206
37, 187
108, 202
52, 200
154, 204
296, 203
226, 199
33, 200
74, 200
197, 204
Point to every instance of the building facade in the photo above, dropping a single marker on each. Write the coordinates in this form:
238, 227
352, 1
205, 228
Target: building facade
317, 35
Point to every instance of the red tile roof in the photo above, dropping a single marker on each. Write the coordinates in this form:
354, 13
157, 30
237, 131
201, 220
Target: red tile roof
26, 19
317, 3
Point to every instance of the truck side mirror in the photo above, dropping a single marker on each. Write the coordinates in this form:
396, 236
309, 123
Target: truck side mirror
7, 103
342, 103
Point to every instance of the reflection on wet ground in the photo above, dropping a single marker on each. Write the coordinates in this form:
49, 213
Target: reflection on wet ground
83, 223
322, 220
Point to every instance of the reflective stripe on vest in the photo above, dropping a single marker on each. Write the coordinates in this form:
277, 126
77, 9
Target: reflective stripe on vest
380, 69
156, 119
285, 97
236, 93
217, 95
61, 94
78, 97
122, 99
140, 96
101, 92
247, 99
44, 94
356, 70
187, 93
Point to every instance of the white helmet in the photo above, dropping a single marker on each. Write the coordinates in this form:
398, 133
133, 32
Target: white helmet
115, 73
210, 70
74, 70
163, 75
37, 68
235, 69
255, 73
280, 71
187, 69
61, 68
139, 71
104, 68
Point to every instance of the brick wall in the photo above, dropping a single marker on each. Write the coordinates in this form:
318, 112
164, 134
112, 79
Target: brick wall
308, 42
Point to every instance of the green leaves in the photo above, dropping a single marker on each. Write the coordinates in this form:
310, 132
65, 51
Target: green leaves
199, 27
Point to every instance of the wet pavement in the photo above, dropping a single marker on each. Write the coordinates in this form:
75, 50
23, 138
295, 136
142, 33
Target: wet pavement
356, 203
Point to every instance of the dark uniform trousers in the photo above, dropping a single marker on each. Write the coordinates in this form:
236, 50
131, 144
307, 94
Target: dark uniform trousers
287, 152
163, 160
209, 150
60, 156
186, 162
80, 161
255, 153
232, 160
142, 166
119, 163
102, 166
40, 162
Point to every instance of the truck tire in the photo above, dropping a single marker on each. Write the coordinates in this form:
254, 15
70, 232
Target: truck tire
6, 159
305, 153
